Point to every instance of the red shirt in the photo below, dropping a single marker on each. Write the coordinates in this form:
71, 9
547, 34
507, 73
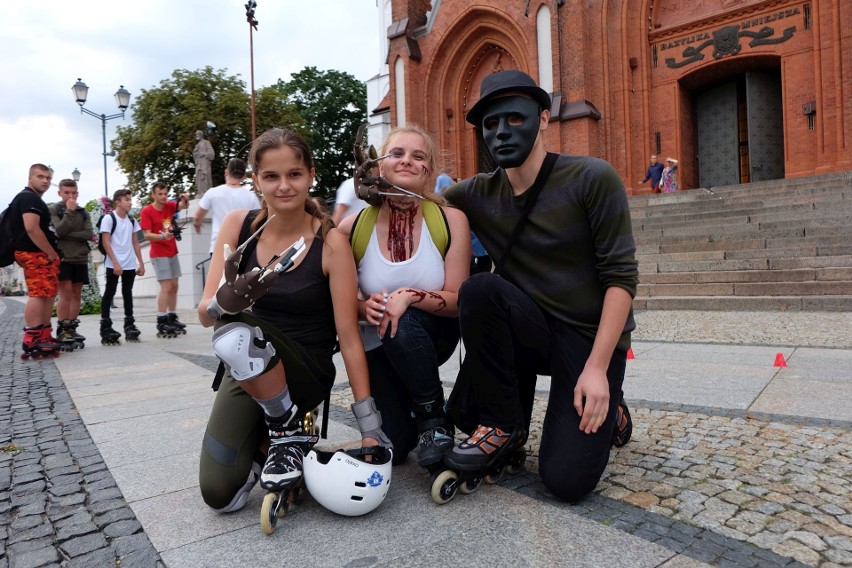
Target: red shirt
160, 221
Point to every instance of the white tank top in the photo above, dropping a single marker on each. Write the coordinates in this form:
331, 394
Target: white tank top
424, 271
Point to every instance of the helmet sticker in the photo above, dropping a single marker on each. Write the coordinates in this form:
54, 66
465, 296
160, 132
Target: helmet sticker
375, 480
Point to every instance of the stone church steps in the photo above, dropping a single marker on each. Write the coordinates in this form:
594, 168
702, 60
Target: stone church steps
781, 245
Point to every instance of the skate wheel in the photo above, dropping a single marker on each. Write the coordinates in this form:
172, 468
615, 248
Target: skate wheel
270, 513
494, 477
516, 464
470, 486
444, 487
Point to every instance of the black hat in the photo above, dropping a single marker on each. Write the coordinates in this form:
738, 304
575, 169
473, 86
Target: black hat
497, 83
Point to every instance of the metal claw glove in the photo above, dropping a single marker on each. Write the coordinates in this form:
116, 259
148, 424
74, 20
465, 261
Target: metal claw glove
238, 292
366, 160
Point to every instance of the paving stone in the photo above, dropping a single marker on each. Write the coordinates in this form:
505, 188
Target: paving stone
70, 531
83, 544
798, 551
115, 515
34, 558
122, 528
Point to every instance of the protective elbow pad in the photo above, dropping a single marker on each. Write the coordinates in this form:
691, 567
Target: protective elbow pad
244, 350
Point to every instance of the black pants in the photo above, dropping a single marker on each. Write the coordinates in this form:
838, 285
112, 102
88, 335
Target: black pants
404, 372
508, 342
127, 279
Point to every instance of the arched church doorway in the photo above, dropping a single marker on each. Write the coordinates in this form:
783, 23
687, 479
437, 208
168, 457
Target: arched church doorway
739, 127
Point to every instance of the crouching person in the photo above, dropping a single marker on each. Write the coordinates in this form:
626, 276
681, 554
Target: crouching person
286, 290
558, 302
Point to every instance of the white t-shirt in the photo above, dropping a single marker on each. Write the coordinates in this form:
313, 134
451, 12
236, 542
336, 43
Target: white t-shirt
424, 270
121, 241
346, 196
221, 200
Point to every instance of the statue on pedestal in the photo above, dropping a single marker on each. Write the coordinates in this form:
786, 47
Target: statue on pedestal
203, 155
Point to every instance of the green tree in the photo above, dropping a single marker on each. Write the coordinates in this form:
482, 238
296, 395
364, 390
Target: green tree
159, 143
333, 104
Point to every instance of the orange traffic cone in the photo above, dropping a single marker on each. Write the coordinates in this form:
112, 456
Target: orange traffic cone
779, 360
630, 354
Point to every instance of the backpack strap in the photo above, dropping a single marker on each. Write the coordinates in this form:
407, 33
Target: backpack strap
433, 214
362, 228
115, 222
532, 195
439, 227
245, 232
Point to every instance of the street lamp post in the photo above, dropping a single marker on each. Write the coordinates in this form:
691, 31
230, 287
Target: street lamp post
122, 99
251, 6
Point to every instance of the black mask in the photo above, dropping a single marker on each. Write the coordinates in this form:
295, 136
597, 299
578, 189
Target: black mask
510, 127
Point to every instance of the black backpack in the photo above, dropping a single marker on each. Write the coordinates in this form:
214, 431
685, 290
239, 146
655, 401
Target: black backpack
7, 239
101, 235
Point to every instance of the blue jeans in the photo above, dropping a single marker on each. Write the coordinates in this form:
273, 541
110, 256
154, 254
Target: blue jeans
509, 341
404, 372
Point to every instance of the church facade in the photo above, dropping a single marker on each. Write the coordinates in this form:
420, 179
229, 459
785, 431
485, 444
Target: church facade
736, 90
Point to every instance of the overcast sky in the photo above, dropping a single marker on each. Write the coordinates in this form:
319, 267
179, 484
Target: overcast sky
45, 45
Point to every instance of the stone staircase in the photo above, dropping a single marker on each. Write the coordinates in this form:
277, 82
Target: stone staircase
776, 245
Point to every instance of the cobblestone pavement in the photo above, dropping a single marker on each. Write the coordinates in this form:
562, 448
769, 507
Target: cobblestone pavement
59, 505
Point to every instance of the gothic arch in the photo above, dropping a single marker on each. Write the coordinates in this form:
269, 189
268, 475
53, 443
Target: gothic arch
483, 40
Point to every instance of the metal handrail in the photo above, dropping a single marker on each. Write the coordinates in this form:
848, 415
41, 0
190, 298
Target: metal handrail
200, 266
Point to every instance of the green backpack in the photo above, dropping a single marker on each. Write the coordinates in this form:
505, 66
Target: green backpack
436, 222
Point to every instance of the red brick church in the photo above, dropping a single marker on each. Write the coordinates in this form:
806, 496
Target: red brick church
736, 90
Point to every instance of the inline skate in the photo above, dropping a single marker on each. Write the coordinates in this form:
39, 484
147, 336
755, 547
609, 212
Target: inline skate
486, 461
80, 339
434, 434
38, 343
290, 439
165, 329
68, 340
131, 332
179, 326
109, 336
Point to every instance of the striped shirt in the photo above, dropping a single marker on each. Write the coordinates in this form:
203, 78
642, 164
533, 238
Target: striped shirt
576, 243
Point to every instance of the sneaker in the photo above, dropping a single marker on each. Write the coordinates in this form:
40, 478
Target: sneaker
623, 425
288, 445
479, 450
432, 445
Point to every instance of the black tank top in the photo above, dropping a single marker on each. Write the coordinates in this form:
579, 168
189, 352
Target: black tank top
299, 303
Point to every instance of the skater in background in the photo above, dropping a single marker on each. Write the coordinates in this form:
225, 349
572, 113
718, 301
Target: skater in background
157, 221
290, 321
409, 290
73, 228
123, 260
558, 303
36, 253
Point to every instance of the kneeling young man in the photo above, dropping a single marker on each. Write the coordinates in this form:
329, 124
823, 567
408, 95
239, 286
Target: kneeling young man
559, 301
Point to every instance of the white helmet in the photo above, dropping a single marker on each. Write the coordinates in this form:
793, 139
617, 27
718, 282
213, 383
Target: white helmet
345, 483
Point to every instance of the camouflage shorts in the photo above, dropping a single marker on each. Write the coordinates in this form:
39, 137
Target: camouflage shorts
41, 274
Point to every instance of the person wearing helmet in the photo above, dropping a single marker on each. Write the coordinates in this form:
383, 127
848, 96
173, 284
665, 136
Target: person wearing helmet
278, 317
558, 302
